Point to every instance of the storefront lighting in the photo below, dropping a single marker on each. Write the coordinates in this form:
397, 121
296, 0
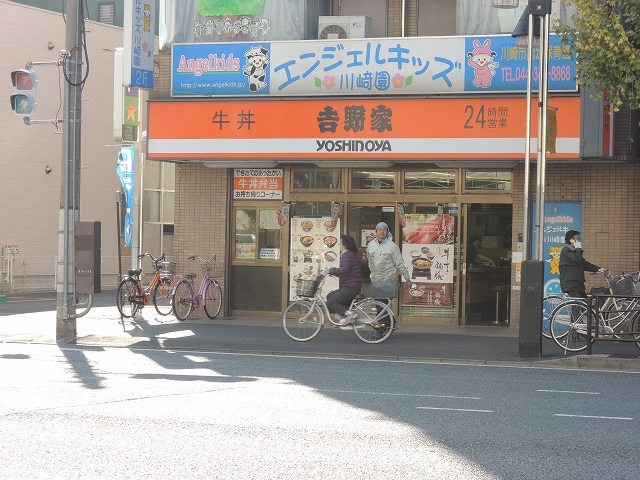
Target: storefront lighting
241, 164
354, 164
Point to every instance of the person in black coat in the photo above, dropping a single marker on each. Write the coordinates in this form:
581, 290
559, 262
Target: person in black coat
573, 265
350, 279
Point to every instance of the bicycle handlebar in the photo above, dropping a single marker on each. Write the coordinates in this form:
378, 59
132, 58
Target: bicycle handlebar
193, 257
156, 261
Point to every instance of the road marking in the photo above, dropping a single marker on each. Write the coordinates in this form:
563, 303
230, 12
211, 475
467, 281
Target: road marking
569, 391
592, 416
400, 394
454, 409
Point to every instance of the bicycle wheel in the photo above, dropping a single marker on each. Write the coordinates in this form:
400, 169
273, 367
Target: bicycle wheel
213, 299
548, 304
162, 296
183, 299
374, 321
302, 320
635, 328
127, 290
568, 325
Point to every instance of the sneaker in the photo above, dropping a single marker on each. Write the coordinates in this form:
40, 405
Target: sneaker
350, 316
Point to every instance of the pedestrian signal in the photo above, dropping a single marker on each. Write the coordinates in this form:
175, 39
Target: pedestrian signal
23, 100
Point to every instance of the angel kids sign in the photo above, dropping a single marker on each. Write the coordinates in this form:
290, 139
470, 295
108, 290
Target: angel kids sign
386, 66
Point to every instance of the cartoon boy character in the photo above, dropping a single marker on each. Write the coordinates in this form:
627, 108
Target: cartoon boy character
256, 67
481, 60
147, 18
554, 259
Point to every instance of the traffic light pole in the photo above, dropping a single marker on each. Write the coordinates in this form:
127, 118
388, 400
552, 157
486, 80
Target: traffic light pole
70, 187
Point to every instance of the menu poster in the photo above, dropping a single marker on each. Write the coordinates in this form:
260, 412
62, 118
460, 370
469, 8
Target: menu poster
315, 245
427, 294
428, 252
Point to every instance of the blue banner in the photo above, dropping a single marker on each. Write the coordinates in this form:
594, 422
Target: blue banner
124, 169
496, 64
366, 66
559, 217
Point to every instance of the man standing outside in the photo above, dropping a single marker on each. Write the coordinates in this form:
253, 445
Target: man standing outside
573, 265
385, 261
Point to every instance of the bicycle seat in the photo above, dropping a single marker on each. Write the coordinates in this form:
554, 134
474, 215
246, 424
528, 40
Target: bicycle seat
190, 276
135, 273
359, 296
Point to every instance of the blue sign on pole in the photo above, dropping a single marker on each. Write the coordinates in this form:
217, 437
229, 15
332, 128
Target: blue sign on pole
124, 169
559, 217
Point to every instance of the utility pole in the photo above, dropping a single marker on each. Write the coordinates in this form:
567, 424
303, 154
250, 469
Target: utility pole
70, 186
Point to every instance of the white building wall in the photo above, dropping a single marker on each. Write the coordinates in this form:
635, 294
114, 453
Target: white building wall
29, 197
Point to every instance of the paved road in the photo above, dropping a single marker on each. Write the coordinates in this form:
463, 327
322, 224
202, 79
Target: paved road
104, 413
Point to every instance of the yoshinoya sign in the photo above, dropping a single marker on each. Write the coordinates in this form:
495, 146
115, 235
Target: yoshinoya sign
385, 66
332, 128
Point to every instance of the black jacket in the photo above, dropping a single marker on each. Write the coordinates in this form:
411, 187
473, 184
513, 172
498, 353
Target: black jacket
572, 268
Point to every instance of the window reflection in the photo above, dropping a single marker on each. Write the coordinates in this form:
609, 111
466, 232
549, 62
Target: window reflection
436, 180
487, 180
317, 179
373, 180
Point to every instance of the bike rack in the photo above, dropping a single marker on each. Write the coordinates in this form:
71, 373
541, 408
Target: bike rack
607, 337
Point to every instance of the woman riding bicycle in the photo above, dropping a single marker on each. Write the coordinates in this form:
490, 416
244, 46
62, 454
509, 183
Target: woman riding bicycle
350, 282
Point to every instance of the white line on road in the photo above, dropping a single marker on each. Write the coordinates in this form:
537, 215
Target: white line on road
569, 391
454, 409
400, 394
592, 416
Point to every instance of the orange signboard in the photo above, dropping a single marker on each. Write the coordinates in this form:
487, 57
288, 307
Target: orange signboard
398, 128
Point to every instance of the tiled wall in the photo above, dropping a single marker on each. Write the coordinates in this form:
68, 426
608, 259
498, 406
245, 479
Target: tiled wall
201, 215
610, 213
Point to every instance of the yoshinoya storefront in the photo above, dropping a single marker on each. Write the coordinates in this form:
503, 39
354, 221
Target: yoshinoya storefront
334, 136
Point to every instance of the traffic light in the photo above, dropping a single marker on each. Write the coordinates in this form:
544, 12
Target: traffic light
23, 100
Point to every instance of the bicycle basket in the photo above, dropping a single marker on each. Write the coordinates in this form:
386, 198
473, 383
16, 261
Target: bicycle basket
623, 285
215, 270
308, 288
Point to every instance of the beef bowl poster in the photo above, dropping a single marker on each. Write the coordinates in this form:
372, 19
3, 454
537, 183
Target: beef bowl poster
428, 251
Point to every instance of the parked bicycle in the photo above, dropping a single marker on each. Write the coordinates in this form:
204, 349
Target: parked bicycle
303, 319
616, 316
131, 296
209, 293
549, 302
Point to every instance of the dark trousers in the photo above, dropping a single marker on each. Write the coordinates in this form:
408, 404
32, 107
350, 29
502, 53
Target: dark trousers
577, 293
339, 300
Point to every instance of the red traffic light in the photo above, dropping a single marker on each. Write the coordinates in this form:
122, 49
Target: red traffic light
22, 79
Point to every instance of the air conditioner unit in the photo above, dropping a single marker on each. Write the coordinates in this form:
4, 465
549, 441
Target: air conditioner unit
334, 28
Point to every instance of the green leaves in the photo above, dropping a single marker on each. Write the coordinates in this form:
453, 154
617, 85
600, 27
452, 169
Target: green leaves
605, 38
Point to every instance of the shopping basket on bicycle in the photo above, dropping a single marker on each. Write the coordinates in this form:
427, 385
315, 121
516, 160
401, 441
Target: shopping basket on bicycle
623, 285
308, 288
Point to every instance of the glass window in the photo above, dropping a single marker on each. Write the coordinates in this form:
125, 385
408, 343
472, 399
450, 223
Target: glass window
312, 208
373, 180
245, 234
151, 210
257, 234
169, 179
487, 180
436, 180
168, 200
152, 175
317, 179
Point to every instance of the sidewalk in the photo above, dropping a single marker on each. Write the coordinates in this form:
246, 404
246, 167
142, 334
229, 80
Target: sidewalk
412, 342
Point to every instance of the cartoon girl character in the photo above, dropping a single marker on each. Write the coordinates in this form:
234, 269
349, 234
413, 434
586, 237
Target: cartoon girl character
481, 60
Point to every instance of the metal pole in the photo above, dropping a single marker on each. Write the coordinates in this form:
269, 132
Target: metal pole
542, 144
118, 227
70, 190
527, 147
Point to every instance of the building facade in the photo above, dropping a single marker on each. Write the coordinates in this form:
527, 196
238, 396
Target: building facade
590, 182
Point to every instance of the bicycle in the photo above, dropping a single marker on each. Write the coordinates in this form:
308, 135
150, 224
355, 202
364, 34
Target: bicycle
303, 319
210, 292
131, 296
568, 322
549, 302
